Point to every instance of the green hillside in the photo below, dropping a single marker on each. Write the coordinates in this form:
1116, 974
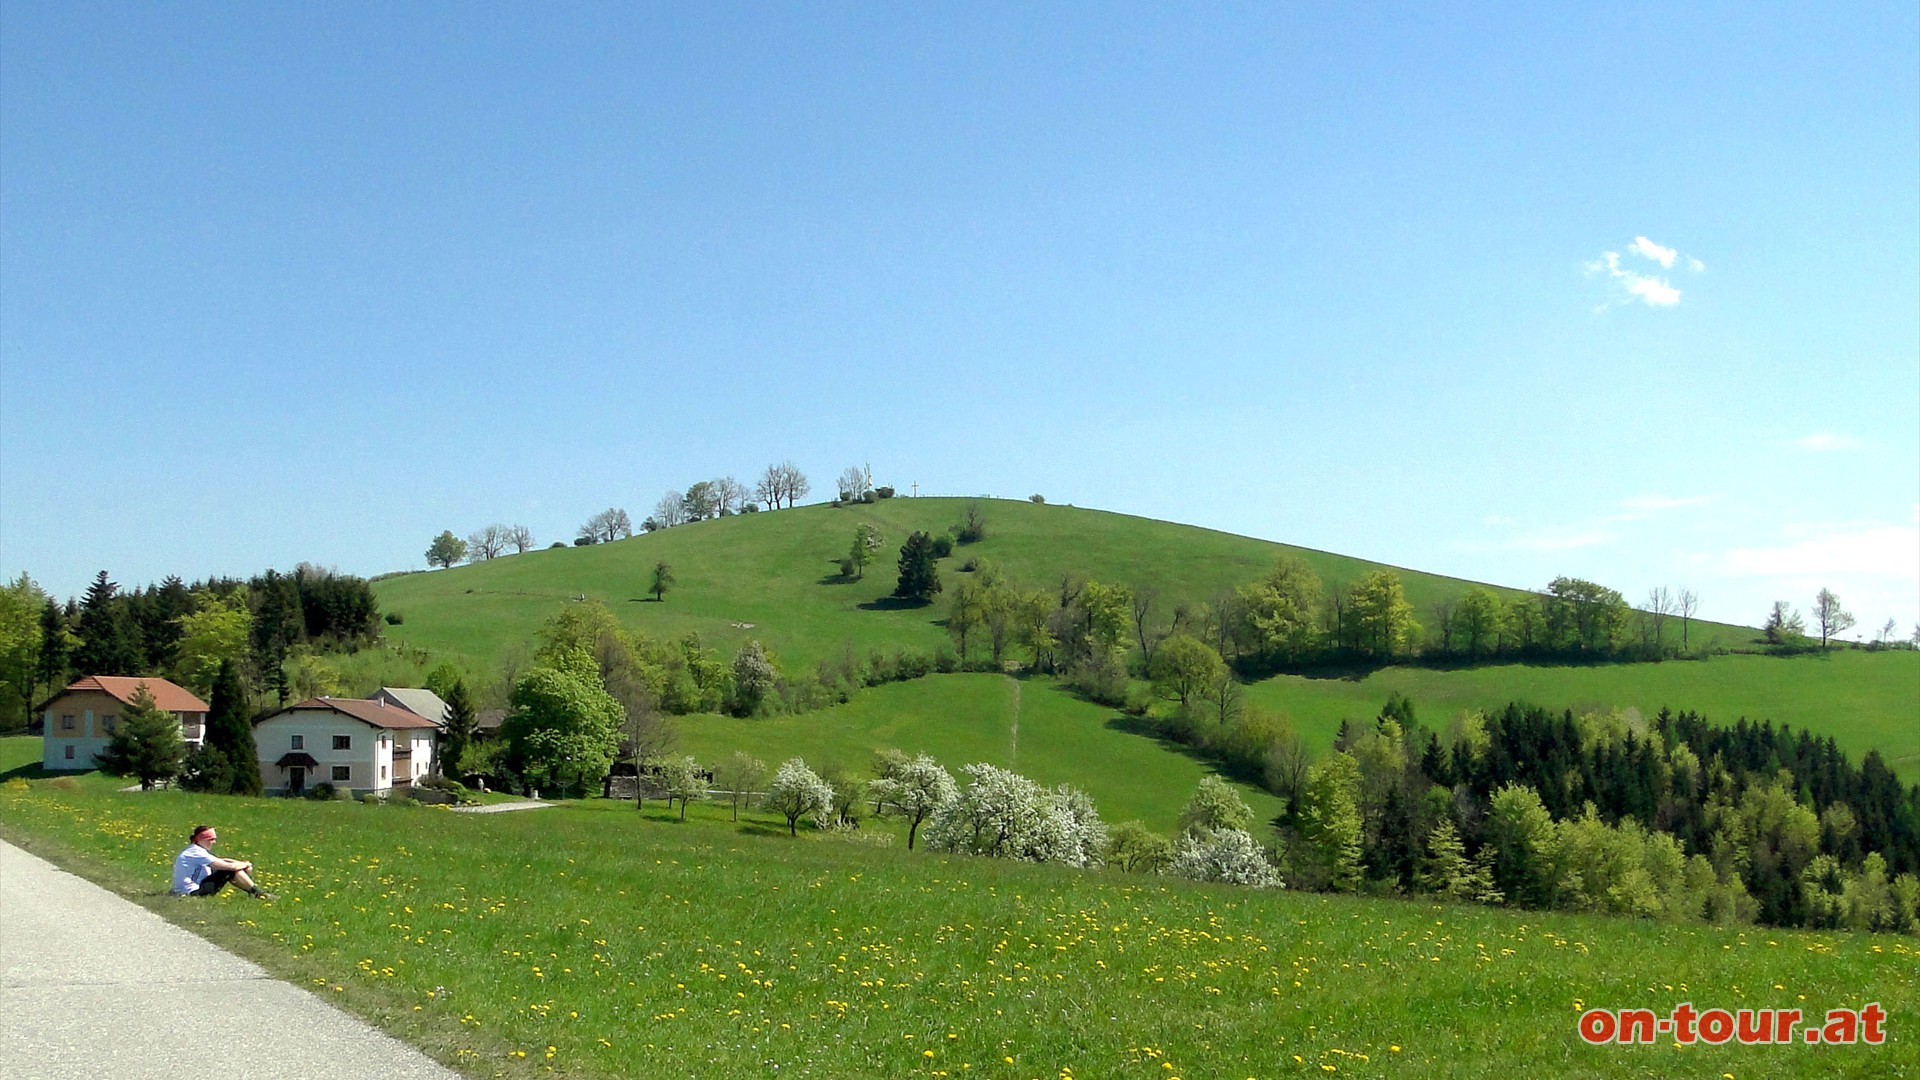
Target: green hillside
774, 576
1031, 726
1864, 700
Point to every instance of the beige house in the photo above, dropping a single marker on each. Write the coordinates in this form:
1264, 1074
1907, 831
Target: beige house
79, 719
354, 743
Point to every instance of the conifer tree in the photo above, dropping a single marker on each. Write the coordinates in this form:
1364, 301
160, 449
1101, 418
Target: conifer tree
919, 577
108, 645
146, 743
231, 732
461, 723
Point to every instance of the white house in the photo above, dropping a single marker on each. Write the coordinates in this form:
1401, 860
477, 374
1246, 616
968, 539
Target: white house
353, 743
79, 719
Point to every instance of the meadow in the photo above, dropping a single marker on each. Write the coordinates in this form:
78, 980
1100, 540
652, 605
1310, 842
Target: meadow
1032, 726
590, 940
1865, 700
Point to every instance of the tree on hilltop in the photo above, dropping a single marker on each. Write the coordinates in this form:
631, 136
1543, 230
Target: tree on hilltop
446, 550
1831, 617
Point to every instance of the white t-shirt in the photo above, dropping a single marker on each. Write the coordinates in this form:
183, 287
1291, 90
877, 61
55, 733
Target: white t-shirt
190, 869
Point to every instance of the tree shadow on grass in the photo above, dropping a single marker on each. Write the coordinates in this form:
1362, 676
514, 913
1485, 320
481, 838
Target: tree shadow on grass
32, 771
752, 828
895, 603
1142, 726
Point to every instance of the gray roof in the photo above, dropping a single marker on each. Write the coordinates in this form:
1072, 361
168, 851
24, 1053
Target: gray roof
418, 701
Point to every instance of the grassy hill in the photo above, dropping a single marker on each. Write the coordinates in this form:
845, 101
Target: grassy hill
775, 577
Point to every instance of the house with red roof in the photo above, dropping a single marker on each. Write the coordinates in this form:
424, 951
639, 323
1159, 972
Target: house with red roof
352, 743
79, 719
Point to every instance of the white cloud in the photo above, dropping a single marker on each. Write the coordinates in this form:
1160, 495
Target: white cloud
1638, 507
1648, 289
1648, 249
1825, 441
1873, 550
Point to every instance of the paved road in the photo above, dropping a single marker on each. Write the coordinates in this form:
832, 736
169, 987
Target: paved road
501, 807
95, 985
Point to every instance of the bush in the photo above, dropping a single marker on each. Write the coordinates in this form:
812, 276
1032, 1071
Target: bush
883, 492
321, 792
374, 798
1037, 500
750, 508
867, 497
970, 565
585, 541
942, 546
394, 618
556, 544
847, 568
944, 661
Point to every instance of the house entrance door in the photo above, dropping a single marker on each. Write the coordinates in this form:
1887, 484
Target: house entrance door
296, 779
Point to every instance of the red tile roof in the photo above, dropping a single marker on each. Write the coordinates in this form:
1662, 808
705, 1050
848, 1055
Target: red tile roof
373, 713
121, 687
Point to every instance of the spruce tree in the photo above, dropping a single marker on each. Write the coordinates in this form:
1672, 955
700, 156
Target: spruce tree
919, 577
460, 728
231, 732
107, 639
145, 743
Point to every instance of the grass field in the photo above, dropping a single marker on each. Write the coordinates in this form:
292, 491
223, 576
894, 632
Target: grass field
1865, 700
774, 576
1032, 726
592, 941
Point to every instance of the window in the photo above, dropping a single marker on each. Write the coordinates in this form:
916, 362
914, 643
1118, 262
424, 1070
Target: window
69, 747
66, 722
383, 772
343, 742
299, 743
110, 722
342, 773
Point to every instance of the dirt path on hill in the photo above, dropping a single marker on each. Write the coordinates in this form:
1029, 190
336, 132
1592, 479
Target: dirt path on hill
1013, 748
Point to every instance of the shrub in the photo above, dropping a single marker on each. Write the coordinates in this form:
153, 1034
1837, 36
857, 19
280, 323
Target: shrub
1228, 855
394, 618
750, 508
584, 541
883, 492
970, 565
1037, 500
557, 544
867, 497
847, 568
374, 798
321, 792
942, 546
944, 661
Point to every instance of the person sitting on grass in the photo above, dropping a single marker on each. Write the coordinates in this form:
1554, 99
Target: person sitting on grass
199, 872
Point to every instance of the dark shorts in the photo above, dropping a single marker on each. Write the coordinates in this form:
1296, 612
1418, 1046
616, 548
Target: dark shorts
212, 883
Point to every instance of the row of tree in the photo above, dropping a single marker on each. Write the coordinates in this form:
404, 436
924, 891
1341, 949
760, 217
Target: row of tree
177, 631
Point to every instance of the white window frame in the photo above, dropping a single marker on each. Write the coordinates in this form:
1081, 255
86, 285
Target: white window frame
343, 742
298, 742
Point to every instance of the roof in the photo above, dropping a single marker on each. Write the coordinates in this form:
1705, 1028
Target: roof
297, 757
418, 700
371, 713
490, 719
167, 695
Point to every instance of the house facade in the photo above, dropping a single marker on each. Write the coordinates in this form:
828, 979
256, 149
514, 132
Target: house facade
354, 743
77, 721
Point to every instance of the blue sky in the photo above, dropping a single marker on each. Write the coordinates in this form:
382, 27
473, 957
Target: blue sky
1629, 292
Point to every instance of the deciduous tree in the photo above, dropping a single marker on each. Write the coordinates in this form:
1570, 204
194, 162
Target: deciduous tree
913, 789
446, 550
1830, 616
661, 580
796, 792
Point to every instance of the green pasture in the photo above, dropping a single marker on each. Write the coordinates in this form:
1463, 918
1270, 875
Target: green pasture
1032, 726
1865, 700
774, 576
600, 942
